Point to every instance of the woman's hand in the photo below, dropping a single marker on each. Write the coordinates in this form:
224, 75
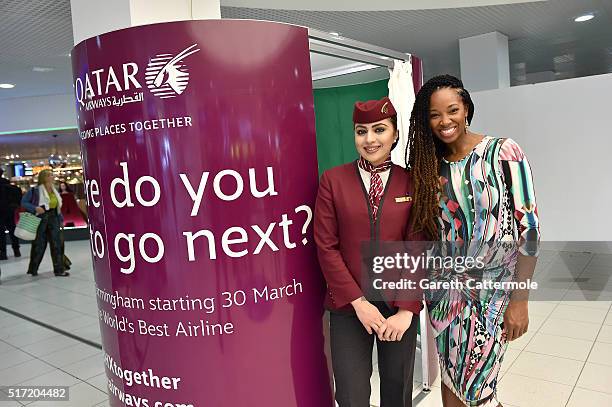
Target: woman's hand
516, 320
40, 210
369, 316
395, 326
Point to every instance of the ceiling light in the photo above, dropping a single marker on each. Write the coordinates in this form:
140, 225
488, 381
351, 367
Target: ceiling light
585, 17
42, 69
6, 86
334, 33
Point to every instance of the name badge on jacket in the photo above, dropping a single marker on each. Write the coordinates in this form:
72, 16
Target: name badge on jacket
403, 199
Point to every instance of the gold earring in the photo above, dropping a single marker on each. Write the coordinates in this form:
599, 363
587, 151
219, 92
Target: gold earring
467, 125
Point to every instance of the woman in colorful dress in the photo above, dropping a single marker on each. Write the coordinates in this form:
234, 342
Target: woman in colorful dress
367, 200
476, 193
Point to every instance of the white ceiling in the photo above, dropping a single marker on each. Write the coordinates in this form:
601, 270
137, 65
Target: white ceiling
542, 35
544, 40
35, 33
364, 5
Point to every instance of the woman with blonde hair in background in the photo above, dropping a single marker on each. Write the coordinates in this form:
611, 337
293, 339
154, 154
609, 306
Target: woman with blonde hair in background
45, 202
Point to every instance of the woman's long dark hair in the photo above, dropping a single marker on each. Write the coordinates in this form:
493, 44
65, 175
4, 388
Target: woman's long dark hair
68, 189
426, 151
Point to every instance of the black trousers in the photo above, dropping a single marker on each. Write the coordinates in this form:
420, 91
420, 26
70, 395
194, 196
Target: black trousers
7, 222
48, 231
351, 349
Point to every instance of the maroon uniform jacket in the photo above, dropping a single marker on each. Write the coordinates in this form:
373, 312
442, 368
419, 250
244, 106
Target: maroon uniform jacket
343, 221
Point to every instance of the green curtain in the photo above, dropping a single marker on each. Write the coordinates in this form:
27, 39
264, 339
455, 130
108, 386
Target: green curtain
334, 120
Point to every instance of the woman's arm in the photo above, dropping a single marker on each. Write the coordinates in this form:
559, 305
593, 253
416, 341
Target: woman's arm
519, 179
342, 286
26, 201
408, 302
343, 289
523, 195
415, 246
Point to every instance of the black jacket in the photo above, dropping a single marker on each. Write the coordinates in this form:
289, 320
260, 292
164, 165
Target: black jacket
10, 196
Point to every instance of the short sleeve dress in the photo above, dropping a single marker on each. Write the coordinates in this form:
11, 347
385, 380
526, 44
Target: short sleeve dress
486, 198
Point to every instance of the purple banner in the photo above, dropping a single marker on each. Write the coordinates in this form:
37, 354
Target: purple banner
199, 152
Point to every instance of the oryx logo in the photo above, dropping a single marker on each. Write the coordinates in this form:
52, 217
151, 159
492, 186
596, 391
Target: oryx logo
167, 75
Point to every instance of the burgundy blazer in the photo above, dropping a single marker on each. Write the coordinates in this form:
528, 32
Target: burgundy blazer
343, 220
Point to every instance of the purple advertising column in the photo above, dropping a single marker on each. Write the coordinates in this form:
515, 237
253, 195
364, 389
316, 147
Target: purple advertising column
198, 143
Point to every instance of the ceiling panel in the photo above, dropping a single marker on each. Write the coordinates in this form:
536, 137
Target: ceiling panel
35, 33
364, 5
537, 32
39, 33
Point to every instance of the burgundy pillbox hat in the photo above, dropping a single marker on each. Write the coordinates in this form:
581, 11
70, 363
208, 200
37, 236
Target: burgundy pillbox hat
373, 111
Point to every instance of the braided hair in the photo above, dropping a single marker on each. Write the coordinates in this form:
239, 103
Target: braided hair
426, 151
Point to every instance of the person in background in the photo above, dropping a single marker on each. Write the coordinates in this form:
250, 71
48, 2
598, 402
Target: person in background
366, 201
10, 199
70, 208
479, 190
45, 201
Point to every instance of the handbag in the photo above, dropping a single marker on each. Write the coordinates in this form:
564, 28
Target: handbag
27, 226
65, 259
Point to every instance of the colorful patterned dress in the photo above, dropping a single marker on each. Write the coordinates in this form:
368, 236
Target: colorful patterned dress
487, 198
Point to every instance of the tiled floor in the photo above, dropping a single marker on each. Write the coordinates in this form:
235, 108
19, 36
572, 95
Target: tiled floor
34, 355
564, 360
566, 357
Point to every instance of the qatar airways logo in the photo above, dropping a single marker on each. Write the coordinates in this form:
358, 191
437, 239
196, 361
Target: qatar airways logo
166, 76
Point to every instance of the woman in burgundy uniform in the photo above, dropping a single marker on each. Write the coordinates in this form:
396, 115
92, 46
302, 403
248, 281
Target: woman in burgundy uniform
367, 200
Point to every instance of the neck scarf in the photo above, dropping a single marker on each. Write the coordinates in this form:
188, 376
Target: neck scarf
376, 185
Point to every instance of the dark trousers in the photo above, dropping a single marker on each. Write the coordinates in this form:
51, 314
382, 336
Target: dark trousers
351, 349
48, 231
7, 222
